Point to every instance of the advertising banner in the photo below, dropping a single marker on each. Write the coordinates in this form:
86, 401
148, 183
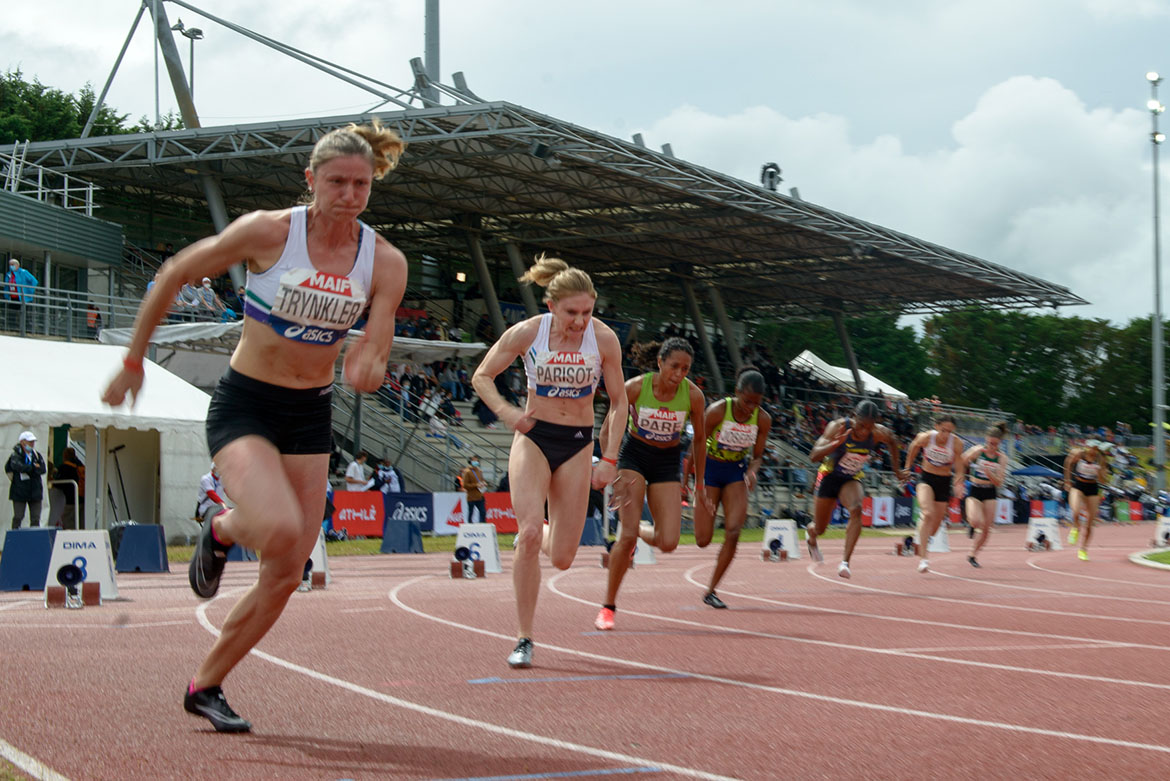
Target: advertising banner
360, 513
500, 512
449, 511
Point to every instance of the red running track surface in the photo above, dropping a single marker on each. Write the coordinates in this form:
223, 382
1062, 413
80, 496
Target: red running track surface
1035, 666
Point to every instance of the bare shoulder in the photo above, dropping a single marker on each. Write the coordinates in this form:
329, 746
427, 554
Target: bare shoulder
606, 338
387, 254
884, 433
520, 335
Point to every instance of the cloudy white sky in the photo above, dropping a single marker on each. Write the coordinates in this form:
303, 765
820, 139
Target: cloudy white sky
1014, 130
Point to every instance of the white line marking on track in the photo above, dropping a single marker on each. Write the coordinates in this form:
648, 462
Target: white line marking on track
880, 651
1124, 619
1049, 590
1052, 647
1030, 563
201, 614
873, 706
31, 765
362, 610
21, 603
22, 625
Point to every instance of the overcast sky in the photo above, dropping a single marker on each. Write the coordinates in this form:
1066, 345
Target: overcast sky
1013, 130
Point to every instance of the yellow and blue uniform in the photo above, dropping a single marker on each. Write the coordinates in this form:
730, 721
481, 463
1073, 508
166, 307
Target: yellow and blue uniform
730, 446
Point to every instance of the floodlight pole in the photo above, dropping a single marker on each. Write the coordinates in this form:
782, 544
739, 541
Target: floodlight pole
1159, 379
431, 47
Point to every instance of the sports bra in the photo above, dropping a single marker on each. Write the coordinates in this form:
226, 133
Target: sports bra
562, 374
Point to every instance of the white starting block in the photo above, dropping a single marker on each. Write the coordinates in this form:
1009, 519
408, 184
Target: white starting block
940, 542
783, 529
1043, 534
1162, 534
317, 567
480, 539
91, 553
643, 553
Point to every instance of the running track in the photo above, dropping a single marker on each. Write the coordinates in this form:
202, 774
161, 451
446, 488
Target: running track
1036, 666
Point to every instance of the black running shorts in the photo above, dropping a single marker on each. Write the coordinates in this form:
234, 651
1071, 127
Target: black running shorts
298, 421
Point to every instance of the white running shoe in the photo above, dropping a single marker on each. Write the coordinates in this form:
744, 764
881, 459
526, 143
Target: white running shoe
521, 656
814, 553
843, 570
923, 566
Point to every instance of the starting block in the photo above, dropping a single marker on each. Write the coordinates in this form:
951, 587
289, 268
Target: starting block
90, 552
940, 542
780, 540
643, 553
1162, 535
316, 574
73, 592
481, 540
1043, 534
465, 566
907, 547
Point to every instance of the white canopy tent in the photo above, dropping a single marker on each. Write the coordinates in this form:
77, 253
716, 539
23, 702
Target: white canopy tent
142, 463
837, 375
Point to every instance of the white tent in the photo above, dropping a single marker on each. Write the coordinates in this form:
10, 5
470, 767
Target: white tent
142, 463
837, 375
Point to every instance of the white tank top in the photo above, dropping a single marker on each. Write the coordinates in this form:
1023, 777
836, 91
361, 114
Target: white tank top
1087, 470
562, 374
935, 454
306, 305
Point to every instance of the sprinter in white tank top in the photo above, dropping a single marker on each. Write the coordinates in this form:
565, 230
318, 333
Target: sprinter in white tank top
941, 450
310, 272
566, 352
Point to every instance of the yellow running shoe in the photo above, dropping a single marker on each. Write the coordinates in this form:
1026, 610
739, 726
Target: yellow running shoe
1072, 536
1083, 554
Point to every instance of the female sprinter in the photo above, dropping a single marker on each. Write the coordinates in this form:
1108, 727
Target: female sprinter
843, 450
738, 434
1085, 470
649, 460
312, 270
566, 352
941, 449
985, 464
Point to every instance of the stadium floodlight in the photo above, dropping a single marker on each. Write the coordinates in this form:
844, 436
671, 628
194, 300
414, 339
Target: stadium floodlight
1159, 376
192, 34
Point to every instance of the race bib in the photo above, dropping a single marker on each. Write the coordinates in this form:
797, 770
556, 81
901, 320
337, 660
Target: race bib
660, 425
737, 436
852, 463
565, 375
315, 307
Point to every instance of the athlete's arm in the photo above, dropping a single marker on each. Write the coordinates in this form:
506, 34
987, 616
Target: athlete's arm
258, 234
699, 425
960, 469
515, 341
883, 434
912, 453
1073, 456
764, 423
835, 434
633, 388
605, 470
366, 359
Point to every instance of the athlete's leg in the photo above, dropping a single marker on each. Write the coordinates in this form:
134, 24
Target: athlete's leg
704, 519
666, 510
568, 501
1092, 504
734, 514
279, 503
629, 490
931, 515
1076, 506
529, 481
850, 498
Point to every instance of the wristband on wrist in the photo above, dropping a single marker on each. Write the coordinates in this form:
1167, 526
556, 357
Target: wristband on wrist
609, 460
133, 365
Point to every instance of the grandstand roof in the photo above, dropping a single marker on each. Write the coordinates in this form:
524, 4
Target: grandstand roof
634, 218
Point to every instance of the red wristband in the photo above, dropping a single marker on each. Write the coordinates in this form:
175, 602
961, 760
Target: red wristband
609, 460
133, 365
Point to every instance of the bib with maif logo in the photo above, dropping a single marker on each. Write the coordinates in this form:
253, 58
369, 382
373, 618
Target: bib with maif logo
661, 422
316, 307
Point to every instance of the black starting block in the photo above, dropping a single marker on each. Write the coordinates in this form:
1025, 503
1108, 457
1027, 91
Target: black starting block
907, 547
775, 551
1040, 543
464, 566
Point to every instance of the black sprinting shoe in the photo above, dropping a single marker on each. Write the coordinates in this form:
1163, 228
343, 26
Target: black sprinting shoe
521, 656
973, 563
211, 705
207, 563
970, 532
714, 601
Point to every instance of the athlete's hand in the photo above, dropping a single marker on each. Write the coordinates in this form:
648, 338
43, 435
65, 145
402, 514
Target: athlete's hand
841, 439
122, 383
749, 479
518, 419
362, 368
902, 475
959, 489
703, 499
604, 473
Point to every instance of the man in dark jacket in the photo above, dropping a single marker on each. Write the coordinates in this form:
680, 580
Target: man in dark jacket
24, 468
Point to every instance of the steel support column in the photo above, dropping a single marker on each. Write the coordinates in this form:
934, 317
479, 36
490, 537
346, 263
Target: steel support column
725, 326
701, 330
485, 281
843, 335
518, 268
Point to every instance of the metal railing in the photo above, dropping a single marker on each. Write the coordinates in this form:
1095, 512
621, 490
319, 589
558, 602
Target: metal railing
45, 184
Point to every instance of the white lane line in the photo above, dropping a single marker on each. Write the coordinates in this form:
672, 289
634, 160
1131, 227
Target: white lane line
1008, 648
553, 586
201, 613
1031, 563
127, 625
21, 603
1058, 592
362, 610
995, 605
873, 706
31, 765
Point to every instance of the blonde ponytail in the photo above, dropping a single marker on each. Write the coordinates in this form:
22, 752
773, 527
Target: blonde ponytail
558, 278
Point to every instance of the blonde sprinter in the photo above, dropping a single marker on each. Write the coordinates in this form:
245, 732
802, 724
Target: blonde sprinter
1085, 471
986, 465
942, 451
566, 353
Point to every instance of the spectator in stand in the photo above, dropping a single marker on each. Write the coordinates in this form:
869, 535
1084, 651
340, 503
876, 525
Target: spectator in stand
473, 486
355, 473
455, 333
93, 320
19, 285
483, 329
386, 478
187, 303
24, 468
449, 381
212, 498
210, 307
